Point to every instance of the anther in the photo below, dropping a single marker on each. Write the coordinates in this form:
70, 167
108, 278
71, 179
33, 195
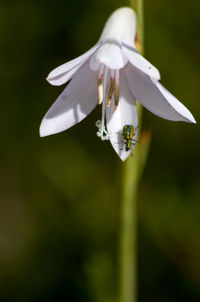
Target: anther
100, 88
110, 92
116, 100
116, 90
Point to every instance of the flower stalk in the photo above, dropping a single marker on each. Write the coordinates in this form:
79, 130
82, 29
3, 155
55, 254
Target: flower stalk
130, 180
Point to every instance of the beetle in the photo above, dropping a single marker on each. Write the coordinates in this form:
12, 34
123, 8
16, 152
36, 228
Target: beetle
128, 133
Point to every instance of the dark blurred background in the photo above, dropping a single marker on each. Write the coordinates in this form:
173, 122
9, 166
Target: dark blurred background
59, 211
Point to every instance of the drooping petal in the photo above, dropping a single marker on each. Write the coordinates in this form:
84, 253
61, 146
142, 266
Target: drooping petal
138, 61
109, 54
65, 72
157, 99
77, 100
126, 114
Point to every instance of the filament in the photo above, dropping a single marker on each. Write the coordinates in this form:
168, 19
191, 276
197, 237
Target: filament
116, 90
110, 92
100, 84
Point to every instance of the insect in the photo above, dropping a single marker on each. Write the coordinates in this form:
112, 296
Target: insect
129, 133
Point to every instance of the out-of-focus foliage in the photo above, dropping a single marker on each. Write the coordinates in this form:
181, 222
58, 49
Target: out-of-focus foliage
59, 204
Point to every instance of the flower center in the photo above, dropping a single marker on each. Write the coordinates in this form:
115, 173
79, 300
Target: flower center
105, 94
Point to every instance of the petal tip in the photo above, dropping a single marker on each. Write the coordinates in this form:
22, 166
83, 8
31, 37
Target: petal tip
188, 117
48, 79
192, 119
55, 82
158, 76
124, 155
49, 76
44, 129
155, 76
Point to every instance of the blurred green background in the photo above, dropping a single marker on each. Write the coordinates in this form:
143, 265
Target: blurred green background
59, 207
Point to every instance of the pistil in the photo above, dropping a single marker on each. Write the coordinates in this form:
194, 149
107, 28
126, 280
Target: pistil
105, 98
102, 132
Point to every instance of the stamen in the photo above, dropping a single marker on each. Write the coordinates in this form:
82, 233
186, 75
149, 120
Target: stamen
100, 88
110, 92
116, 90
100, 83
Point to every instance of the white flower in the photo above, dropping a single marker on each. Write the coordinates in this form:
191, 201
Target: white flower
114, 74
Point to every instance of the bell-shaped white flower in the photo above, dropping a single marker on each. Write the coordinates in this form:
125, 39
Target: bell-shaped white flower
114, 74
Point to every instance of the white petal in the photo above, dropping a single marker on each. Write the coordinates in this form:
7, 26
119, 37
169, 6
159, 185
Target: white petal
121, 26
76, 101
152, 95
176, 104
138, 61
126, 114
65, 72
109, 54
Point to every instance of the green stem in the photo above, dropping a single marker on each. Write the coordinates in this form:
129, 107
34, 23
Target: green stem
128, 224
128, 236
139, 8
